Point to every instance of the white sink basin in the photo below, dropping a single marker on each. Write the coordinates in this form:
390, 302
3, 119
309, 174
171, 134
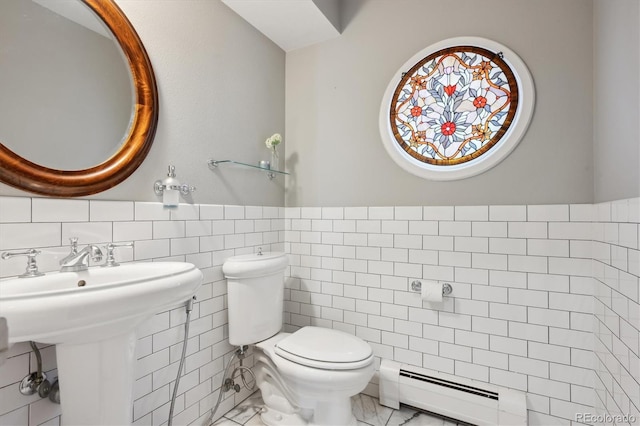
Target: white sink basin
91, 316
59, 308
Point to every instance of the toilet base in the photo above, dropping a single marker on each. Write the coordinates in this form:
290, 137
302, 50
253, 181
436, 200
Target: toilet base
322, 416
277, 411
271, 417
329, 413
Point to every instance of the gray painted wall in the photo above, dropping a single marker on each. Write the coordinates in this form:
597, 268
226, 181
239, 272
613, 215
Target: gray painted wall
221, 89
331, 10
334, 89
616, 148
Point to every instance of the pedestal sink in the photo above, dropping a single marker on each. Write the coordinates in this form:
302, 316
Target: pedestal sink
91, 317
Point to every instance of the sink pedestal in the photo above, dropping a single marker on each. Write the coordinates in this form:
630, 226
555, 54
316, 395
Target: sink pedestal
96, 381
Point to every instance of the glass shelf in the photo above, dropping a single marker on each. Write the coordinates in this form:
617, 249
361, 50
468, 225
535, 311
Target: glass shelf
270, 172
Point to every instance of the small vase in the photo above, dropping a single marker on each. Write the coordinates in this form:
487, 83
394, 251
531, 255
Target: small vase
275, 160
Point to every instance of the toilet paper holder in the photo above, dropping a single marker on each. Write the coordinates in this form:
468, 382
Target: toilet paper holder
447, 289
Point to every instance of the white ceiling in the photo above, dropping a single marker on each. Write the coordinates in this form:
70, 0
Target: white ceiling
291, 24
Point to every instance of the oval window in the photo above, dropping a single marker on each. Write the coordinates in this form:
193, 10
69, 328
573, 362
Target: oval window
456, 108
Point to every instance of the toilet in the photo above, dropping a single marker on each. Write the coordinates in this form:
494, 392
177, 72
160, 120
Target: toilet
307, 377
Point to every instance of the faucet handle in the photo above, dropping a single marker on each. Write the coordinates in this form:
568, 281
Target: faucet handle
32, 267
73, 241
111, 261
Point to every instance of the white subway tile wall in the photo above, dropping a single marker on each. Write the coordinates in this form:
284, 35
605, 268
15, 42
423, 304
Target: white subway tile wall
616, 307
201, 234
545, 298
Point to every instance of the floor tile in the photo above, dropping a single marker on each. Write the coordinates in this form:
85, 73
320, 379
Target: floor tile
367, 409
246, 409
407, 417
255, 421
223, 421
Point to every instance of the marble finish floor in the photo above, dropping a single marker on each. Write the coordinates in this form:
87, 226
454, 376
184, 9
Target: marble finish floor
366, 410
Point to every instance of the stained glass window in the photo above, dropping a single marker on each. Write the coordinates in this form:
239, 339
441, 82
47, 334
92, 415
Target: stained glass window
454, 105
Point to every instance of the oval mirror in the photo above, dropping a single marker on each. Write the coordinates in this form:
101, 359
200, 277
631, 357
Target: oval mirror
77, 124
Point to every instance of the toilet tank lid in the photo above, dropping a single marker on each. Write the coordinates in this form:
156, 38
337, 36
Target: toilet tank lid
254, 265
325, 345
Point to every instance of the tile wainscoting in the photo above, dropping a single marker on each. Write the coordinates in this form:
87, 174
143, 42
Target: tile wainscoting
545, 297
201, 234
616, 268
522, 310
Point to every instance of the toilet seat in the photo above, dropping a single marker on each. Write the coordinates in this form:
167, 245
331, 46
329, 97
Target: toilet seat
325, 349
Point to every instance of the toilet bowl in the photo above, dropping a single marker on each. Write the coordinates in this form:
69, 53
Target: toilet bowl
307, 377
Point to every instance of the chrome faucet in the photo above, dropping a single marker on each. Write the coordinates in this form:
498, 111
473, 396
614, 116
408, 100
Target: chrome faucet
79, 260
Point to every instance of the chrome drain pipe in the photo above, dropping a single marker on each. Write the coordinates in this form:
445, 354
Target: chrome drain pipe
37, 381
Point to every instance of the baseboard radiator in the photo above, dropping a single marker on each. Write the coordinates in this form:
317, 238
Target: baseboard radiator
450, 396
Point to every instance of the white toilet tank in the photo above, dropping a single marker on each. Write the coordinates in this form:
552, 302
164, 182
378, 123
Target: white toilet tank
255, 286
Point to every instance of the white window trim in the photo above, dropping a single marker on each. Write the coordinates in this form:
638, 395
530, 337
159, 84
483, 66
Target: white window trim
508, 142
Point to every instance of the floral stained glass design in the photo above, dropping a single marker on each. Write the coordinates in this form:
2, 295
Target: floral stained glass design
454, 105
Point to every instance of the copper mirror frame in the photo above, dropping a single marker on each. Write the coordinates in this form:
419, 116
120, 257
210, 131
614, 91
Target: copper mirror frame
23, 174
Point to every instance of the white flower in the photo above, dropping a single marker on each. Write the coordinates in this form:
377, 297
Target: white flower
273, 141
